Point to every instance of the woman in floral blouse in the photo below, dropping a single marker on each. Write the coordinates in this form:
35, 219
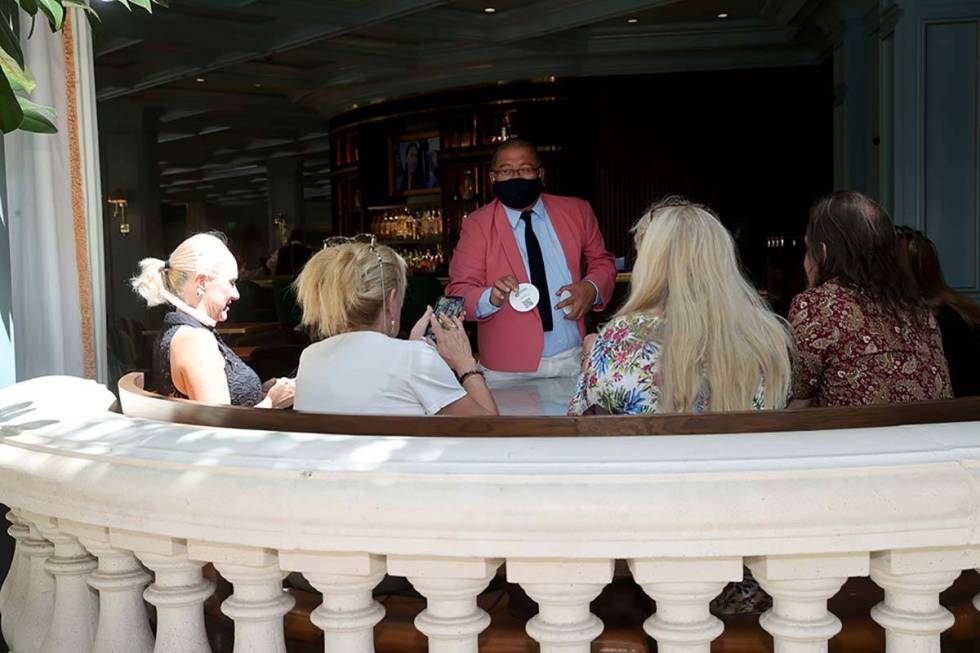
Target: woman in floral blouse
694, 335
863, 332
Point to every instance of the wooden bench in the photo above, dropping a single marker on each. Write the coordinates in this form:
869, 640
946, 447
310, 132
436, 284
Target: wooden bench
622, 605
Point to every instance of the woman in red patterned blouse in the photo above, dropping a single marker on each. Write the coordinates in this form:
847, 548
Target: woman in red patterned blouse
863, 333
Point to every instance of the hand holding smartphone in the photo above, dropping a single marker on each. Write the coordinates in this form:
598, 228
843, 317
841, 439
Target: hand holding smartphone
447, 307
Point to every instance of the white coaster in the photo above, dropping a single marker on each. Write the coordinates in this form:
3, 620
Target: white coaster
562, 297
526, 298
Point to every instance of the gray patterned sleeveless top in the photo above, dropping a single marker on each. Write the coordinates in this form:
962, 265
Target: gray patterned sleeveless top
244, 385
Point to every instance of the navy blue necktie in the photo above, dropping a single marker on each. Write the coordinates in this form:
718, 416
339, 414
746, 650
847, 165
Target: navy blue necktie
535, 264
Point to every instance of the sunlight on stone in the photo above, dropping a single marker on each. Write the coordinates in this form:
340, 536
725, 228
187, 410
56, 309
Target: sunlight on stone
375, 453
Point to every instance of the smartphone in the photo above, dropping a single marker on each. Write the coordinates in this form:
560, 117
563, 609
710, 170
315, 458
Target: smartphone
446, 306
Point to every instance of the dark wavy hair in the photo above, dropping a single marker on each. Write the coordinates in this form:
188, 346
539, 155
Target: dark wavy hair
859, 237
919, 256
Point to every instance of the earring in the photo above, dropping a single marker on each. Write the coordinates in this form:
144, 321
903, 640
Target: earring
200, 291
393, 327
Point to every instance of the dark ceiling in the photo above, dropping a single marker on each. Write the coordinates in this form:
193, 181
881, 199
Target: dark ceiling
238, 82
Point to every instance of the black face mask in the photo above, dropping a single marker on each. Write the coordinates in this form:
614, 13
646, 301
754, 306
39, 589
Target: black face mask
518, 193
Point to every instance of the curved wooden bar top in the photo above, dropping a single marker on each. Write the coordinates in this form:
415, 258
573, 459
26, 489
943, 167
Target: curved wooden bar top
137, 402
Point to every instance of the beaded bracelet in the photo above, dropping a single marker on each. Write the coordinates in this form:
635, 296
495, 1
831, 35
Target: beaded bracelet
466, 375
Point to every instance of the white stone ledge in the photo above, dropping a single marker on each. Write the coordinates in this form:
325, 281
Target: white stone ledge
64, 455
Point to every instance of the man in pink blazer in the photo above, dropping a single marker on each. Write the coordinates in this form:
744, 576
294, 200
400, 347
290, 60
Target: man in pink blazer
525, 236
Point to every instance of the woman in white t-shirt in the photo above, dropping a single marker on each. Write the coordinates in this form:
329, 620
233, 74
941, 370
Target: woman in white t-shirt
351, 293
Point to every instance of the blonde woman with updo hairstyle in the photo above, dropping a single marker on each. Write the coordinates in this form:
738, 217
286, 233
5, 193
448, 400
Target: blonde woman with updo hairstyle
189, 359
693, 335
351, 293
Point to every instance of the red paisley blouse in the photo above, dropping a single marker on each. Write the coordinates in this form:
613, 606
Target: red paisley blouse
852, 350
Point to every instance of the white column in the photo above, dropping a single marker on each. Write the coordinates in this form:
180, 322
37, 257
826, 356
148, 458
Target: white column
120, 580
451, 620
14, 593
683, 589
563, 590
799, 621
349, 612
76, 606
32, 625
911, 614
178, 593
259, 602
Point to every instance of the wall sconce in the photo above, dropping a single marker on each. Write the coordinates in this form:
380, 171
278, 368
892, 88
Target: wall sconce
279, 222
119, 206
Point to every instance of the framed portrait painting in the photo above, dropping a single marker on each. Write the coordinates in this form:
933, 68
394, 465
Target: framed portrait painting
412, 164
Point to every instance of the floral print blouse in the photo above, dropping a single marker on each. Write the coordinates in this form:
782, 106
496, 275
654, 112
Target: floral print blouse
621, 375
853, 351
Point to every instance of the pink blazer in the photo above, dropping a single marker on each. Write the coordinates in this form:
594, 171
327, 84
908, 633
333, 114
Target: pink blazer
511, 341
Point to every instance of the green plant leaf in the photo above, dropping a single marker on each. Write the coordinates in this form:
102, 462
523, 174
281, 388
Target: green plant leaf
9, 44
18, 78
11, 115
145, 4
84, 5
54, 11
37, 119
30, 6
163, 3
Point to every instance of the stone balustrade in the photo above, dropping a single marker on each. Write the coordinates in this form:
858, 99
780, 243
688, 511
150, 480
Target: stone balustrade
111, 513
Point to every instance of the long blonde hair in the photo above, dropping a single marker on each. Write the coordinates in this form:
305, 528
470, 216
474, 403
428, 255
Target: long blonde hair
716, 334
342, 288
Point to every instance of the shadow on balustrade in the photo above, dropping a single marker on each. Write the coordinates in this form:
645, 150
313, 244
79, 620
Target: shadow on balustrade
13, 411
197, 446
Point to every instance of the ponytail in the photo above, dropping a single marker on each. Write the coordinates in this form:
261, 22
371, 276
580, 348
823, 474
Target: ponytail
151, 282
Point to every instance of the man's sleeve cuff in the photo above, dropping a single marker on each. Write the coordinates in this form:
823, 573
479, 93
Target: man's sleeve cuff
598, 298
484, 308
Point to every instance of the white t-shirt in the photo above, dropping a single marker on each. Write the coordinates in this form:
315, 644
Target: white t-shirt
366, 372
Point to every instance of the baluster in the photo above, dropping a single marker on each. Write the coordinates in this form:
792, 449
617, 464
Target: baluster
563, 591
683, 589
32, 625
349, 612
799, 621
15, 584
9, 579
258, 602
911, 614
178, 592
76, 606
452, 621
120, 579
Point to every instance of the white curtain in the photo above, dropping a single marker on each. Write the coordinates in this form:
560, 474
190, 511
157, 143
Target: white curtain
45, 259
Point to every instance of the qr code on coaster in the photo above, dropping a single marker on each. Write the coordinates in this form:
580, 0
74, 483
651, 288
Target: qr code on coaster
527, 303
